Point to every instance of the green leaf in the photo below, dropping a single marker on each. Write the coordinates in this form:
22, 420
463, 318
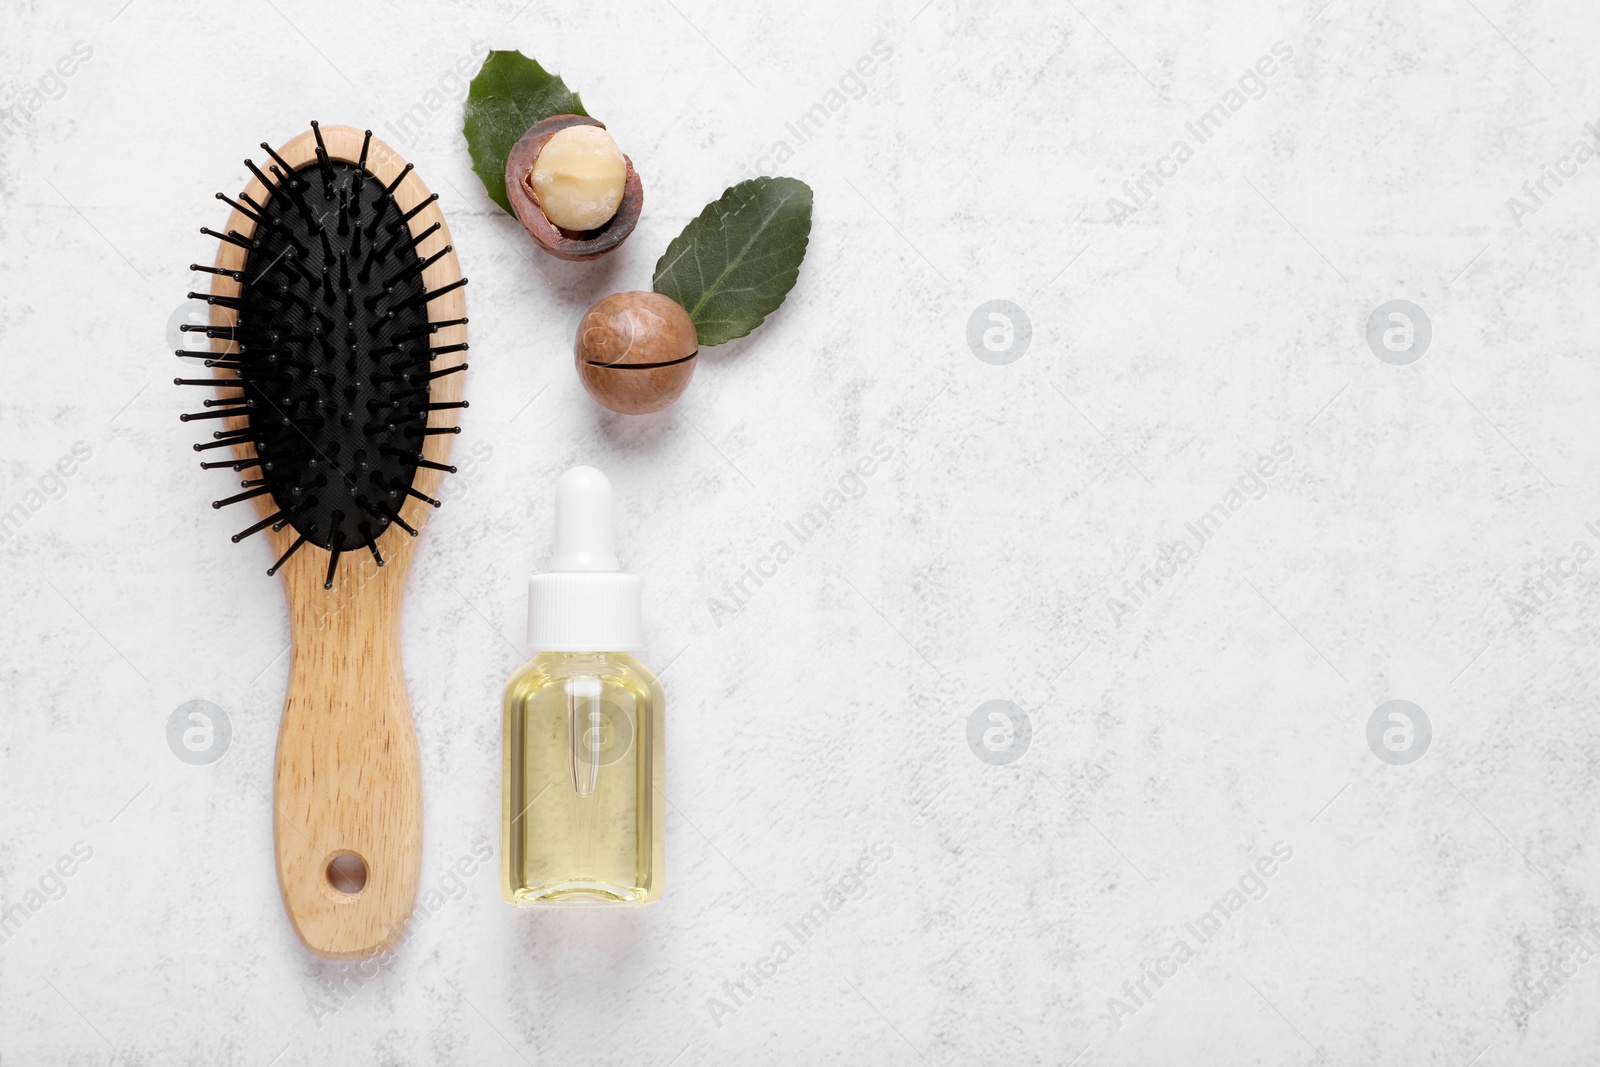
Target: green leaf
510, 94
732, 266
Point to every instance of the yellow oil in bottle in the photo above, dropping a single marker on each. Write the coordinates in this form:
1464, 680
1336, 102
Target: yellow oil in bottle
582, 771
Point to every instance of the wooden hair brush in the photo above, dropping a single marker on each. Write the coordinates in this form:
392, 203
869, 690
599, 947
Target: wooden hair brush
337, 327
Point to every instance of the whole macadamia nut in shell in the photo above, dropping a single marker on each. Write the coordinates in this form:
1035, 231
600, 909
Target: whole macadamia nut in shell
636, 351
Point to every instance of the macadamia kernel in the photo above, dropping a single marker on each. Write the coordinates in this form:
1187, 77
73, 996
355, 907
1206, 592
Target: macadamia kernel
578, 178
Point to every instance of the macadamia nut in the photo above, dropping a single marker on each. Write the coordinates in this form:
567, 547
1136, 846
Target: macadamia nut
578, 178
636, 352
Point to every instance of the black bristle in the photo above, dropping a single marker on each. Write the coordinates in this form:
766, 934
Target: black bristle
425, 499
417, 266
330, 351
398, 178
235, 275
322, 160
414, 212
390, 515
425, 330
424, 235
219, 301
388, 192
292, 186
225, 333
257, 528
233, 237
272, 186
215, 444
380, 253
298, 541
422, 300
237, 497
333, 552
240, 208
290, 174
418, 459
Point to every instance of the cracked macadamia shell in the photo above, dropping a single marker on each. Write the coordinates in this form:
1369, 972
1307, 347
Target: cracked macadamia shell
636, 352
567, 244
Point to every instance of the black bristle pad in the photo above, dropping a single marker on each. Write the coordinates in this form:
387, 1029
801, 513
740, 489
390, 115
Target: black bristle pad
333, 329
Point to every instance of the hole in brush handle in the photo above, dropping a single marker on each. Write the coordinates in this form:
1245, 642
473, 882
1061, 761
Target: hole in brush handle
347, 872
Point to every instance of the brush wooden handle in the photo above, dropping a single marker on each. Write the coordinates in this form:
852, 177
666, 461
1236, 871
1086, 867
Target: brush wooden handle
348, 778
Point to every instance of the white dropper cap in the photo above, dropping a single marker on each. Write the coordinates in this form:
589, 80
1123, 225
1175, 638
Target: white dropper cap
584, 603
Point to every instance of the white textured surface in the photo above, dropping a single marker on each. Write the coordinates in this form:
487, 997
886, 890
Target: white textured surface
1168, 752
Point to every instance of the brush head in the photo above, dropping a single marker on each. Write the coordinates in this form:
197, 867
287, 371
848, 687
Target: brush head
332, 359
